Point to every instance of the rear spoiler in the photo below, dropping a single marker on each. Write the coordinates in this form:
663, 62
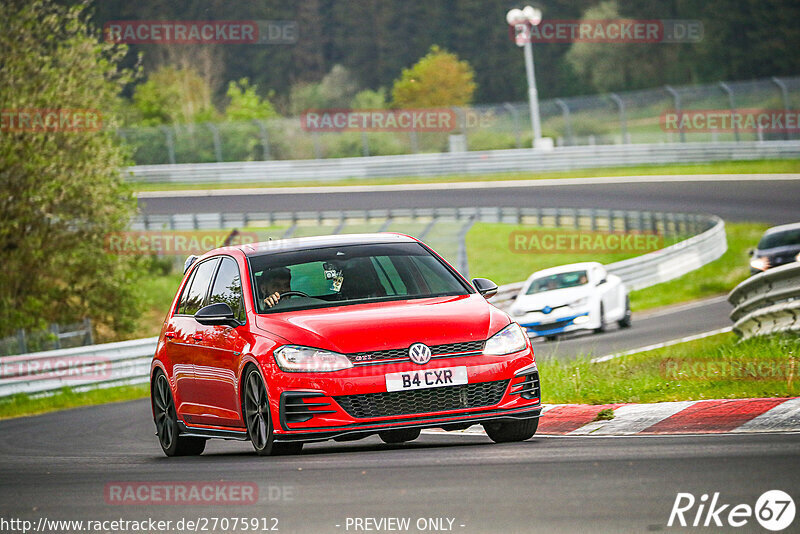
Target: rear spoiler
189, 262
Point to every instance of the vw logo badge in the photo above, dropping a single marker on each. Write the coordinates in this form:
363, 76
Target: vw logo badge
546, 310
419, 353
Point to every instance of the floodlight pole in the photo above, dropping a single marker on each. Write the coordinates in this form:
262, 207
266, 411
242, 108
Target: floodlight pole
533, 95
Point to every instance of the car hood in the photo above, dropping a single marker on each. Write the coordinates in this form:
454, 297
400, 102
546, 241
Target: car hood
388, 325
557, 297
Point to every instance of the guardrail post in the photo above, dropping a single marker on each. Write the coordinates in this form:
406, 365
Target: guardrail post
622, 122
364, 144
317, 145
726, 88
23, 342
217, 141
89, 337
412, 135
515, 114
264, 138
677, 99
785, 98
170, 143
567, 122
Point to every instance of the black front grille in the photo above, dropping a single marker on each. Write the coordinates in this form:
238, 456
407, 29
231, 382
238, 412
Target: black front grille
549, 326
526, 386
423, 400
436, 350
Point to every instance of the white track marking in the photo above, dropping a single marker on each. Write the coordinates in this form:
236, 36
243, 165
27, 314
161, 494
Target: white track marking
666, 310
545, 182
632, 419
662, 344
783, 417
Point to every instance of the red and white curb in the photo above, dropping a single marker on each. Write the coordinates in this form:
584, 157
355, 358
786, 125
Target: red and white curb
684, 417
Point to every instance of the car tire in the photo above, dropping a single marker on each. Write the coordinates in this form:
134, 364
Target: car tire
551, 338
511, 431
166, 420
625, 322
602, 328
255, 409
399, 436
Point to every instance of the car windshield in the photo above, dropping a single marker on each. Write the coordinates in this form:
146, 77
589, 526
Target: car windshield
780, 239
350, 274
558, 281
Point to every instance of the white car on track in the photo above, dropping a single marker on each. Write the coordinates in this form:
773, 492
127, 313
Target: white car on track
578, 296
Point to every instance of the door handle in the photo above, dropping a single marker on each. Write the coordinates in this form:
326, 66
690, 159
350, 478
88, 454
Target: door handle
170, 335
198, 336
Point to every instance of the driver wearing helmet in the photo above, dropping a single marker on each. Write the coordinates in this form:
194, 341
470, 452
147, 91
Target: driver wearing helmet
273, 282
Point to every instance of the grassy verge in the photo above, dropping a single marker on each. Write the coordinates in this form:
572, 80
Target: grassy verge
716, 367
490, 256
21, 405
726, 167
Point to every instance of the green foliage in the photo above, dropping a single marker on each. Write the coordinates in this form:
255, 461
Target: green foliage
171, 96
336, 90
438, 79
61, 192
369, 99
245, 104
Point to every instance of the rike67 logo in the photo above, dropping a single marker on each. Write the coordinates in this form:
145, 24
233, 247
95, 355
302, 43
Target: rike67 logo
774, 510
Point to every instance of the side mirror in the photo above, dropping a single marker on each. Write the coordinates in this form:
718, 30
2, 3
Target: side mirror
601, 282
485, 287
216, 314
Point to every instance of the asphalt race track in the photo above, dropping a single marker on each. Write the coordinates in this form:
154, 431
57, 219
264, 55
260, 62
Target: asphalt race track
648, 329
773, 201
56, 466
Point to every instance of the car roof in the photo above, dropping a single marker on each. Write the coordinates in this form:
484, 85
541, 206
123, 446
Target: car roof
307, 243
586, 265
782, 228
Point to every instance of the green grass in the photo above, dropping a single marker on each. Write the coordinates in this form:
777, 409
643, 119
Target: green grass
724, 167
715, 278
21, 405
696, 370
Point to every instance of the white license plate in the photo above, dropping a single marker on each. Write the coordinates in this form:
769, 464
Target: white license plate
426, 378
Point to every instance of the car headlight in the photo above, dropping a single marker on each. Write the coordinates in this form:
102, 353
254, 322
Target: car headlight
294, 358
509, 339
761, 263
580, 303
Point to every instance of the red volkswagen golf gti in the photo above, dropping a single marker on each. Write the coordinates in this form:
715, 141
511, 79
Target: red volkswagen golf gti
336, 337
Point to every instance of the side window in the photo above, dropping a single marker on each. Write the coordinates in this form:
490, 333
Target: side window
228, 287
185, 295
199, 287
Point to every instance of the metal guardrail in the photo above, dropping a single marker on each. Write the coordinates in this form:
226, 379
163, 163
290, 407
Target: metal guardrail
94, 366
128, 362
768, 302
484, 162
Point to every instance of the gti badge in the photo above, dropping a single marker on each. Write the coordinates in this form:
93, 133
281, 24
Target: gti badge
419, 353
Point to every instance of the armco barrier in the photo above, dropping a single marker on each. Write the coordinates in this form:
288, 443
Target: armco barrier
768, 302
128, 362
107, 364
439, 164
